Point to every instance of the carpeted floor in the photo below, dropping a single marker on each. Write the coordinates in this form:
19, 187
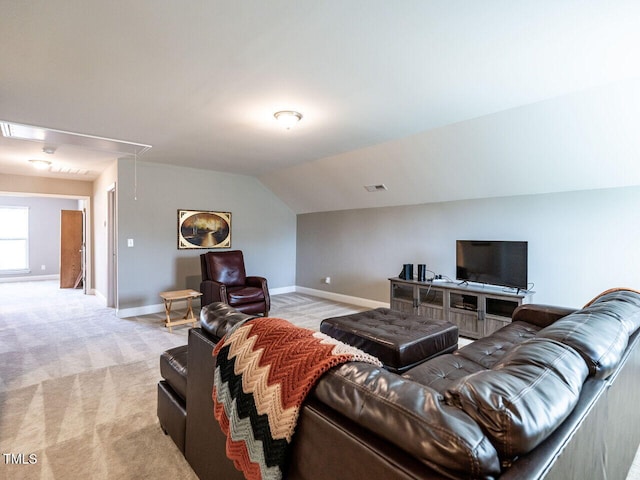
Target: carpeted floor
78, 385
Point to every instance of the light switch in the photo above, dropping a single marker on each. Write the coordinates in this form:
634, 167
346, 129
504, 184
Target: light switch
129, 242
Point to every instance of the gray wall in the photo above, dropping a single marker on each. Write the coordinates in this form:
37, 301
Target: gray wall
580, 243
44, 232
262, 226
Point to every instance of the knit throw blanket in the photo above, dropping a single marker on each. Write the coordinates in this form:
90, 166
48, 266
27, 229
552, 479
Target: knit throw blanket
265, 367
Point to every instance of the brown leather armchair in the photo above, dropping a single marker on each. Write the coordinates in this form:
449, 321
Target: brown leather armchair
224, 280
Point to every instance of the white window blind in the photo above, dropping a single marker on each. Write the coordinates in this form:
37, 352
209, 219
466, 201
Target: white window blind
14, 239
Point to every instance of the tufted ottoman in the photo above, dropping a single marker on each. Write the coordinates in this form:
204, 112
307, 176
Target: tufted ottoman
400, 340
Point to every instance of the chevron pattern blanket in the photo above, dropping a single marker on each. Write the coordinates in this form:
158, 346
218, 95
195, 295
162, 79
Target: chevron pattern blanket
265, 367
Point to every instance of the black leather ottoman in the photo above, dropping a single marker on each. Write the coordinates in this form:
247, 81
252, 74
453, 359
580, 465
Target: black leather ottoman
400, 340
172, 394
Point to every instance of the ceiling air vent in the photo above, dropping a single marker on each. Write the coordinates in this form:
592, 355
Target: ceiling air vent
381, 187
72, 171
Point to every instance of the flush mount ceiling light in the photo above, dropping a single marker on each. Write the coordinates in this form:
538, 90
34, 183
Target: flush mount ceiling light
287, 118
40, 164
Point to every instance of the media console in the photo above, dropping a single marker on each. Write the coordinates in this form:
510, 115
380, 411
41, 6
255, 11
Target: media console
477, 310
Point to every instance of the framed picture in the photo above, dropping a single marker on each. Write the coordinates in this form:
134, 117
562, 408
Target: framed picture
198, 229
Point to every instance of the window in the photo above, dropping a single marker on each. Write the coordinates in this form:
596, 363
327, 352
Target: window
14, 239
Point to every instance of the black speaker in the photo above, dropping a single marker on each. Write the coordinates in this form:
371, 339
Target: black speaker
422, 272
407, 272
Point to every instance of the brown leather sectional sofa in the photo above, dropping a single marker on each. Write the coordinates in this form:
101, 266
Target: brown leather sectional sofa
552, 395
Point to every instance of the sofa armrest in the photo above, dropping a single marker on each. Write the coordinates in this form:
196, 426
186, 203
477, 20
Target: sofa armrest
261, 282
205, 445
212, 291
255, 281
540, 315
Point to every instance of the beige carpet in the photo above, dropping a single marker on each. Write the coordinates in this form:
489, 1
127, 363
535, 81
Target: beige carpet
78, 385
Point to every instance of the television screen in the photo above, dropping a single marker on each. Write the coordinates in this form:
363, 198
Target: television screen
494, 262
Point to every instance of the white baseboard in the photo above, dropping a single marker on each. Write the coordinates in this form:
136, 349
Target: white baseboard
338, 297
99, 296
32, 278
159, 307
281, 290
138, 311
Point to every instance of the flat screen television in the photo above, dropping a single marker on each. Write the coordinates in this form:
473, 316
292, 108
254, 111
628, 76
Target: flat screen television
501, 263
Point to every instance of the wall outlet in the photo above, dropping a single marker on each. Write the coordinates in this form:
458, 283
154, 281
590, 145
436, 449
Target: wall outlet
43, 267
327, 280
129, 242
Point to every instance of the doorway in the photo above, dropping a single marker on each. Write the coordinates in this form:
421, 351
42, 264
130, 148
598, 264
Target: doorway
71, 248
44, 256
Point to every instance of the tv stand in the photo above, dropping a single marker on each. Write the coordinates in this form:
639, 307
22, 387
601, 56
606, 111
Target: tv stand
477, 310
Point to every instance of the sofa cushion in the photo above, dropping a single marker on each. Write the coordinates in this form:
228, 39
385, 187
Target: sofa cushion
487, 351
411, 416
524, 397
594, 334
173, 368
440, 372
244, 295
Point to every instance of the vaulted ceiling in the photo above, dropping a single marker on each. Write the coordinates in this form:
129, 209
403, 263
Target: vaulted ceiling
437, 100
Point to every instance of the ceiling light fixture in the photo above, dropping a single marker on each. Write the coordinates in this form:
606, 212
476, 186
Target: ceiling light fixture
287, 118
49, 150
40, 164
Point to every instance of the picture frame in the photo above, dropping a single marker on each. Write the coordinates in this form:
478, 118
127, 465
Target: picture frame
198, 229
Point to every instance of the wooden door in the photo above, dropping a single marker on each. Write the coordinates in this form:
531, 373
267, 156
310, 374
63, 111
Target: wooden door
71, 242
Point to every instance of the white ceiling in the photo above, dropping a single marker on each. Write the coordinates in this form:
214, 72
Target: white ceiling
200, 80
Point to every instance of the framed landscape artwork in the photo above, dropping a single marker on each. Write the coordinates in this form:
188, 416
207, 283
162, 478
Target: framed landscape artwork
201, 229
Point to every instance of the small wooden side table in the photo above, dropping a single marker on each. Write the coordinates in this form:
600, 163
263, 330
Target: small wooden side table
170, 297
